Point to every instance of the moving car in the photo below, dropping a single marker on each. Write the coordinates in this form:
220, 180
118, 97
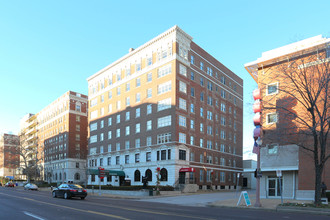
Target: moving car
31, 186
68, 191
9, 184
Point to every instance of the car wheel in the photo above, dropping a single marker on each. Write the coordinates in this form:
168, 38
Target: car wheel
82, 198
66, 196
54, 194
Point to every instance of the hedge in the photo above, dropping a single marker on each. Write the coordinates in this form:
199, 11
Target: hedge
131, 188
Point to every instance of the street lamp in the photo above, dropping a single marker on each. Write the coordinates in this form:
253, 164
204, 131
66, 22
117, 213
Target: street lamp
258, 204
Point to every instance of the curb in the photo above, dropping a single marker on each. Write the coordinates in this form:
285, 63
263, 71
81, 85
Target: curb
318, 211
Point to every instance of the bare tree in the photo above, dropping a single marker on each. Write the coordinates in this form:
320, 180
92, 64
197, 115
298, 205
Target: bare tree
303, 106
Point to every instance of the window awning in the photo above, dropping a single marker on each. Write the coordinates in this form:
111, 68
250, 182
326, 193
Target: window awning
107, 172
188, 169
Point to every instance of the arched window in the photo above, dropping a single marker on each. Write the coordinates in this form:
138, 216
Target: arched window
137, 176
77, 176
163, 174
55, 176
64, 176
148, 175
60, 176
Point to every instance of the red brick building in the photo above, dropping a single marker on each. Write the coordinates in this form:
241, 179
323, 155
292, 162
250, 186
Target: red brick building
166, 104
286, 76
9, 155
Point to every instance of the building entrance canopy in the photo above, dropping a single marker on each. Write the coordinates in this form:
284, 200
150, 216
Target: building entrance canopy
107, 172
188, 169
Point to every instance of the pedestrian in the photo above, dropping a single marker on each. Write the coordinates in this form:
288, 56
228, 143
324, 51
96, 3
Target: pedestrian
324, 190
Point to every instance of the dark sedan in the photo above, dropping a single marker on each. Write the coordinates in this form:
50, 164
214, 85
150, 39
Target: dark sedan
68, 191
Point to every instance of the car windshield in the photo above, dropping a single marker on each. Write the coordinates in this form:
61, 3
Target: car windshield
75, 186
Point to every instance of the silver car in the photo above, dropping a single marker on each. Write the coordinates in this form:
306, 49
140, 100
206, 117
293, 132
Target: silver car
31, 186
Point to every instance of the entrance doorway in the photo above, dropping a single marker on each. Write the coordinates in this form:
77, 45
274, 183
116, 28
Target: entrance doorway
182, 178
274, 187
245, 182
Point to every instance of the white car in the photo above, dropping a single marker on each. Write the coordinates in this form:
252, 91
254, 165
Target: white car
31, 186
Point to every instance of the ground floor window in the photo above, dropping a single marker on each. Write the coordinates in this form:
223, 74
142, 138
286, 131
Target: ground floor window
148, 175
137, 175
93, 177
163, 174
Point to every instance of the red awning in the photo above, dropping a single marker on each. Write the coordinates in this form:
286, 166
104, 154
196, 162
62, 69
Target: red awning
189, 169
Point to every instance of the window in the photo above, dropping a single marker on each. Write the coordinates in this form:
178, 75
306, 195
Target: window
149, 93
101, 161
118, 90
182, 155
109, 135
192, 91
149, 125
127, 130
77, 117
183, 70
101, 136
128, 101
138, 67
201, 127
109, 147
201, 81
110, 108
165, 70
93, 126
149, 141
164, 104
209, 100
148, 156
149, 61
110, 94
182, 87
182, 121
127, 116
202, 96
223, 134
163, 174
201, 175
182, 104
117, 160
271, 118
223, 93
93, 102
192, 140
209, 71
78, 107
272, 88
77, 137
163, 138
128, 72
118, 105
209, 115
192, 76
137, 158
128, 87
222, 148
137, 112
182, 138
138, 97
118, 133
192, 156
149, 109
183, 52
222, 177
201, 112
137, 176
209, 130
126, 159
223, 120
223, 80
109, 161
192, 59
169, 154
192, 124
209, 85
192, 108
137, 128
201, 65
164, 121
118, 119
201, 142
164, 87
223, 107
209, 144
148, 175
138, 82
149, 77
163, 154
137, 143
272, 149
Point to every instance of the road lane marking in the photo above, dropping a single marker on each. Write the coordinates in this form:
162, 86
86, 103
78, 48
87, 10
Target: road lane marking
33, 216
65, 207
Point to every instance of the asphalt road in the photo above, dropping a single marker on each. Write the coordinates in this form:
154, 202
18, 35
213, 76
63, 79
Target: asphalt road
15, 203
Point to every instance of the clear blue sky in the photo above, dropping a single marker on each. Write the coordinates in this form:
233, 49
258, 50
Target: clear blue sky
50, 47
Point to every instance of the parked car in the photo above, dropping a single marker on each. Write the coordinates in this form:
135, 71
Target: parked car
31, 186
9, 184
68, 191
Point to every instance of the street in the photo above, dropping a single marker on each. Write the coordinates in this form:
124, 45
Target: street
15, 203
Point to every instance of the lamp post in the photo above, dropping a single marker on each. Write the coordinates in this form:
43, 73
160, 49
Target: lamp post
258, 204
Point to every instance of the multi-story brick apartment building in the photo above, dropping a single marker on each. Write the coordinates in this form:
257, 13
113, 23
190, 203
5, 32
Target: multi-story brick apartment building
9, 155
275, 72
60, 137
170, 105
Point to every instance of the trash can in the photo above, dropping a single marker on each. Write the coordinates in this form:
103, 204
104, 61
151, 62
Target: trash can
151, 192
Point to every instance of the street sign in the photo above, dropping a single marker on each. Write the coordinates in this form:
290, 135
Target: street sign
101, 172
245, 195
279, 173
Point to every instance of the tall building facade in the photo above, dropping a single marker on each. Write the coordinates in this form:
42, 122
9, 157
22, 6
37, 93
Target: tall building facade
168, 106
58, 135
283, 74
9, 155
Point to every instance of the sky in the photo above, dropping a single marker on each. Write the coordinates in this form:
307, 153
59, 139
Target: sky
50, 47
